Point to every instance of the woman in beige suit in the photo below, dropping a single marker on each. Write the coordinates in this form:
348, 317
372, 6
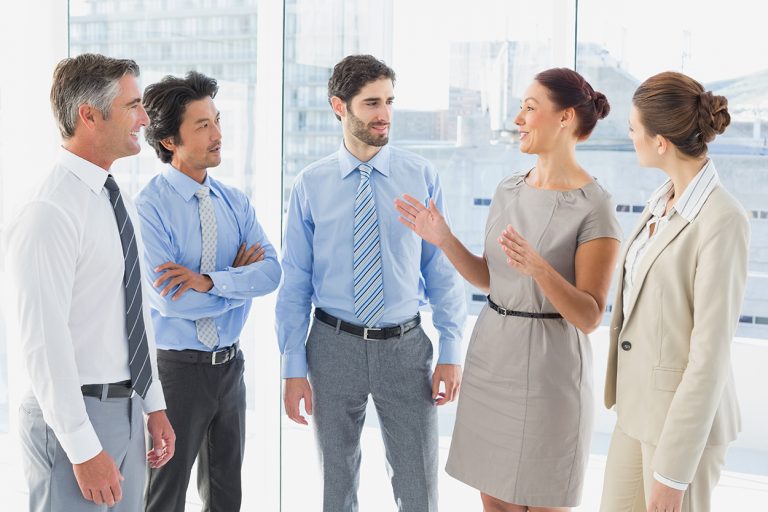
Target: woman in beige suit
679, 294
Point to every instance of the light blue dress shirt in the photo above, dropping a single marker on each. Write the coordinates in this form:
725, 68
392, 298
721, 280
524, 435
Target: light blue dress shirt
170, 227
317, 253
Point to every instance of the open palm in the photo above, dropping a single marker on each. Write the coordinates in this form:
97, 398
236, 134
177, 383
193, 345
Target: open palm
428, 223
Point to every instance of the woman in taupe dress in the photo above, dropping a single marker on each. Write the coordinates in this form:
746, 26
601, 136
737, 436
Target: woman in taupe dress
524, 418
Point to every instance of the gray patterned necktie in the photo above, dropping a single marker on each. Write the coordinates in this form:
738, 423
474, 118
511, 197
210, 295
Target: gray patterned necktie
206, 327
138, 363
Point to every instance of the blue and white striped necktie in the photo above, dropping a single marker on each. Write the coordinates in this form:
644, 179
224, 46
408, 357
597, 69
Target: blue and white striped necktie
369, 285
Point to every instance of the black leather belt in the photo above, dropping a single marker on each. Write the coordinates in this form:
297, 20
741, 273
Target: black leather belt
368, 333
104, 391
508, 312
214, 358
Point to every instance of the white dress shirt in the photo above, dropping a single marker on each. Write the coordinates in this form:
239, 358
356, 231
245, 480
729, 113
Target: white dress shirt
65, 262
687, 206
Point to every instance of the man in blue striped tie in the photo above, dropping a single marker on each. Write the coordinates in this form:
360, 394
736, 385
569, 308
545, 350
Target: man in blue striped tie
367, 275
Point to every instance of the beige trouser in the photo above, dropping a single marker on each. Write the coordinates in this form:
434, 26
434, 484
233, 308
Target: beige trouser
629, 476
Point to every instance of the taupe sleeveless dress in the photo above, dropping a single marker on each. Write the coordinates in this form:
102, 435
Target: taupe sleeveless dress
524, 417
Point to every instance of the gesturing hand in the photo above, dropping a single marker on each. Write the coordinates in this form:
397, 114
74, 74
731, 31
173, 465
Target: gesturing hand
246, 257
428, 223
99, 479
520, 255
186, 279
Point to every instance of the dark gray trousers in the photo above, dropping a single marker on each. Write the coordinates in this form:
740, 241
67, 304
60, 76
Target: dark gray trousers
206, 408
345, 369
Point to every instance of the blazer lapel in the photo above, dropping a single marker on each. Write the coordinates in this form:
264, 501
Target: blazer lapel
617, 319
663, 239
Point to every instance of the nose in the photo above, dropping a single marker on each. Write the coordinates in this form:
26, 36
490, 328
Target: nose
144, 118
216, 132
519, 121
384, 113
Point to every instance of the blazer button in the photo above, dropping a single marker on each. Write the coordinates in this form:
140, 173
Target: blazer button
626, 345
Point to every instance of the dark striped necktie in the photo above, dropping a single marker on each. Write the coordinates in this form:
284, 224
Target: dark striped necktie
138, 349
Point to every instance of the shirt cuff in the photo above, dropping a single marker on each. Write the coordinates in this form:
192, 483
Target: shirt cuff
670, 483
80, 445
155, 399
450, 352
222, 283
294, 365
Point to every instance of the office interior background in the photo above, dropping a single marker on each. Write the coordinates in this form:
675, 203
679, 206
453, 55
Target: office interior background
461, 70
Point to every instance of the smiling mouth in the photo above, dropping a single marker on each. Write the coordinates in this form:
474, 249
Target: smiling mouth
215, 149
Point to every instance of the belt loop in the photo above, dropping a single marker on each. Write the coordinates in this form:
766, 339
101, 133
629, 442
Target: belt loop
104, 392
402, 331
338, 325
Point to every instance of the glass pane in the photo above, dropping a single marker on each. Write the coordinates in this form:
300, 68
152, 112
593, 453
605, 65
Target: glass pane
217, 38
461, 72
619, 46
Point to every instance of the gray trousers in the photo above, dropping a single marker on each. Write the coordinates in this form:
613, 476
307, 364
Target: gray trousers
119, 424
345, 369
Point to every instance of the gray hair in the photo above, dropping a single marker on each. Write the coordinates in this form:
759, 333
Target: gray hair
90, 79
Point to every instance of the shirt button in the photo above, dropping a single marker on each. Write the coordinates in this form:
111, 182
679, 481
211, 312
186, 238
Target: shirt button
626, 345
224, 287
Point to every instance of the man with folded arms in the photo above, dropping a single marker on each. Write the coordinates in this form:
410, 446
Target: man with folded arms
209, 257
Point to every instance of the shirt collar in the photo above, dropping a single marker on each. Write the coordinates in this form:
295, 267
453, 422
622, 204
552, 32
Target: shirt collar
349, 162
183, 184
87, 172
696, 193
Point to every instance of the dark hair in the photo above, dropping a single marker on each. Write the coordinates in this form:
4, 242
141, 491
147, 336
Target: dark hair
678, 108
568, 89
86, 79
353, 72
165, 103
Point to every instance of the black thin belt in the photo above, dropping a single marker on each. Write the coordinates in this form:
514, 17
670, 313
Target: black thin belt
508, 312
214, 358
104, 391
368, 333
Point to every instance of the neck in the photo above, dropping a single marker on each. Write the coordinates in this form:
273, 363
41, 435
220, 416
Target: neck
558, 169
88, 150
195, 173
362, 151
682, 172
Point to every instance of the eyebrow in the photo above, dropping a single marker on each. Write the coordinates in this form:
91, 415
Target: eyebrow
531, 98
133, 102
377, 99
204, 119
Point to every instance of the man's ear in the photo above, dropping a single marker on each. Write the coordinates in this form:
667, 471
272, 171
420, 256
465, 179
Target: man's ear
339, 106
168, 144
87, 115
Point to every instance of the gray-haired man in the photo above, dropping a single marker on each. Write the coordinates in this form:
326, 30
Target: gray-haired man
85, 331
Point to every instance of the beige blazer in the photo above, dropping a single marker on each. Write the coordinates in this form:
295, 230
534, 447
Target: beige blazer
669, 370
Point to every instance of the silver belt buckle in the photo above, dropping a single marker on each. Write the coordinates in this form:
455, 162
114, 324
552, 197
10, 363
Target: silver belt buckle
366, 330
365, 333
503, 311
227, 356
